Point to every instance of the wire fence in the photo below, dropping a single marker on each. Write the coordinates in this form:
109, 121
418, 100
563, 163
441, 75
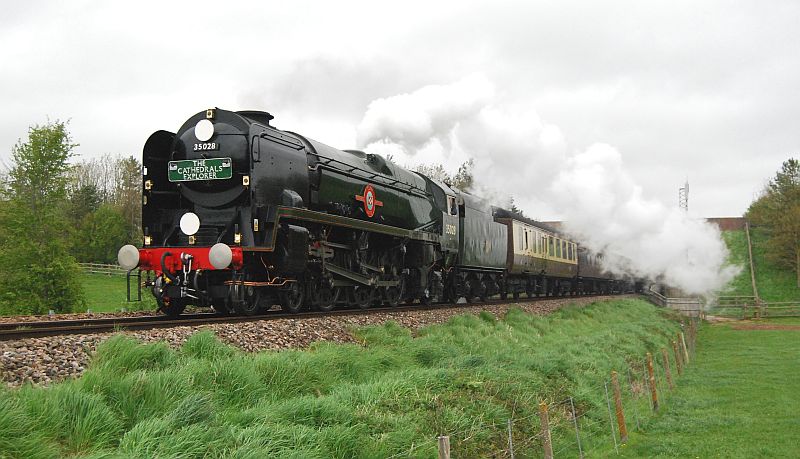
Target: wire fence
594, 421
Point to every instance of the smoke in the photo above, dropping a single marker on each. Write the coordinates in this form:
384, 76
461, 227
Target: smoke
518, 154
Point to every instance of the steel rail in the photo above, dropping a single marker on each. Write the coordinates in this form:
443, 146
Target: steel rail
39, 329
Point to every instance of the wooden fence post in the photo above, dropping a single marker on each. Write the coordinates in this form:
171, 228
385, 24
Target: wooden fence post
683, 346
547, 441
444, 447
666, 367
510, 440
623, 430
652, 377
678, 362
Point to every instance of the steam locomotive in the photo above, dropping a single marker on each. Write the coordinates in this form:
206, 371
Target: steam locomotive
239, 216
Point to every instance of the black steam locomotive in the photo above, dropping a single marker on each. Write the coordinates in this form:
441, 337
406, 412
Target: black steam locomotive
239, 216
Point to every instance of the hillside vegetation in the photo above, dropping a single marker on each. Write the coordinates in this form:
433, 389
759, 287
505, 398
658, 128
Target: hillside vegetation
737, 246
774, 282
392, 395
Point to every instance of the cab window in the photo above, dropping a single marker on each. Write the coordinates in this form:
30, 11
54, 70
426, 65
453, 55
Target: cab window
452, 208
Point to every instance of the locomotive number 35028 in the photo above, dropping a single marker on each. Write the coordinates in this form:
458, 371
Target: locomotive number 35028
206, 146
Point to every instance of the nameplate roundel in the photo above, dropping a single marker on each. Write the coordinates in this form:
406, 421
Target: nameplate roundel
370, 200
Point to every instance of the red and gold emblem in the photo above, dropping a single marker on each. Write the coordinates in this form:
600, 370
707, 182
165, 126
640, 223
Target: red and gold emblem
369, 200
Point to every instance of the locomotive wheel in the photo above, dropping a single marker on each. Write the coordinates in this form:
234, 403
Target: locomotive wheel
428, 298
220, 307
173, 307
503, 295
362, 297
392, 296
515, 294
291, 299
477, 290
326, 298
250, 303
481, 293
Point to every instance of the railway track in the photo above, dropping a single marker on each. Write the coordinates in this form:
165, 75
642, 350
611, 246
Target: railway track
20, 330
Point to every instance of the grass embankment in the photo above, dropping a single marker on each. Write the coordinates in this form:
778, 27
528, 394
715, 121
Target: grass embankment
737, 247
774, 283
392, 395
737, 399
106, 293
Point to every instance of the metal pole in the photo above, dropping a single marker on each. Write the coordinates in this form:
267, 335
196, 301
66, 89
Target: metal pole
611, 419
577, 431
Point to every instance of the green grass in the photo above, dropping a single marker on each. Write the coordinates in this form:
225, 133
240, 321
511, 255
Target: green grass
737, 245
737, 399
106, 293
774, 283
391, 395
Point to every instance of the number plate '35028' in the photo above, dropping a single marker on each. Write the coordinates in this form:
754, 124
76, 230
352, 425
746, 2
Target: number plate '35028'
200, 169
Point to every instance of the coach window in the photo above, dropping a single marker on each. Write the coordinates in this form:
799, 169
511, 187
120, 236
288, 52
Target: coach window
550, 250
526, 239
563, 249
569, 247
558, 248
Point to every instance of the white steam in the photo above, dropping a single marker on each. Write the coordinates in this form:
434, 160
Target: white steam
517, 154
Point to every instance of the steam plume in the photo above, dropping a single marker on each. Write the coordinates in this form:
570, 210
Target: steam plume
518, 154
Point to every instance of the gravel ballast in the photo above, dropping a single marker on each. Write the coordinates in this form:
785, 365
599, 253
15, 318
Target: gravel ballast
45, 360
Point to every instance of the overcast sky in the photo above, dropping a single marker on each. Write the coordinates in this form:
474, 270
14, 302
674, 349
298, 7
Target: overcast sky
704, 90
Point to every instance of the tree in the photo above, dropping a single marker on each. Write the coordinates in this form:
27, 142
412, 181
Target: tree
36, 271
100, 235
83, 201
778, 211
463, 179
434, 172
128, 195
516, 212
117, 181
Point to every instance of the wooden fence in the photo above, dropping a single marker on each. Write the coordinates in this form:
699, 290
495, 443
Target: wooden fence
750, 307
101, 268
